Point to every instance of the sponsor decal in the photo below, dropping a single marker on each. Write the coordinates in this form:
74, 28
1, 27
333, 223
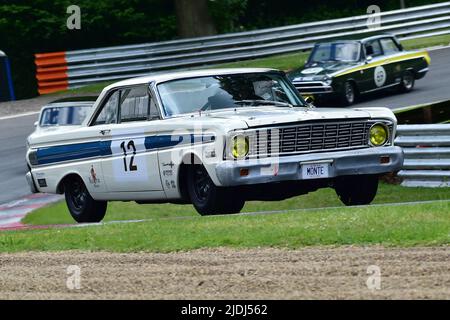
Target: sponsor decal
167, 173
93, 179
170, 164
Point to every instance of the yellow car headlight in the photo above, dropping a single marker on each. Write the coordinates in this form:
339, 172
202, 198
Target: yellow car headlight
379, 135
240, 147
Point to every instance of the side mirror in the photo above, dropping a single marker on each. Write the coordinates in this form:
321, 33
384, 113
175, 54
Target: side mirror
369, 58
36, 124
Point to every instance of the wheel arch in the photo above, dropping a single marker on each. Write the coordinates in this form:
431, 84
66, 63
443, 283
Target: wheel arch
60, 185
188, 159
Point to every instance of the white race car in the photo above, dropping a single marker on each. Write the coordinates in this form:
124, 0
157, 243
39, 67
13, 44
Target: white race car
213, 138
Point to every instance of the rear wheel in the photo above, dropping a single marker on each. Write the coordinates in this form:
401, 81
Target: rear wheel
207, 198
82, 207
357, 190
348, 95
408, 82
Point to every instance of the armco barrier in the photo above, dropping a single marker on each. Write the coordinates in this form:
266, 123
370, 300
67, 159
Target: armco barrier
427, 155
51, 72
56, 71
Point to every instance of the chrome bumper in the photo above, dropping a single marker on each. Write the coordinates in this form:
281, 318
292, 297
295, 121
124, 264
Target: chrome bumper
343, 163
31, 184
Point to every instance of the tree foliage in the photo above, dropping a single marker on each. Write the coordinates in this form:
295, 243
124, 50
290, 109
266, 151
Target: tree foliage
34, 26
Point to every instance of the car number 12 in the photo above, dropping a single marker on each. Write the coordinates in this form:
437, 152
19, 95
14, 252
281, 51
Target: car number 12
130, 146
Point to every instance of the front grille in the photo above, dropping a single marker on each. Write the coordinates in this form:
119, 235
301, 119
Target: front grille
312, 87
310, 137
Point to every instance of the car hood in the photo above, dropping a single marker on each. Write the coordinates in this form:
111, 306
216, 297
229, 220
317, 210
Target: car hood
264, 116
320, 69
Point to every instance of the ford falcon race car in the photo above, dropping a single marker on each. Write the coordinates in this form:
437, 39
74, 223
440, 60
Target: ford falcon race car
343, 69
215, 139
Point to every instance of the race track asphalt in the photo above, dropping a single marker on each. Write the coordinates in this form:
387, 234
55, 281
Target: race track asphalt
13, 132
13, 167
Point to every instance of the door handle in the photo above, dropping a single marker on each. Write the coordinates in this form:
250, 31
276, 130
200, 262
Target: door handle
105, 132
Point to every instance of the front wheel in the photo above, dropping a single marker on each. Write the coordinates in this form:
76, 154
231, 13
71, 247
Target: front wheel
207, 198
82, 207
408, 82
357, 190
348, 95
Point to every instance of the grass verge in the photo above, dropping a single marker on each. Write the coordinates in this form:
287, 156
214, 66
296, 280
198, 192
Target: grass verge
406, 225
58, 213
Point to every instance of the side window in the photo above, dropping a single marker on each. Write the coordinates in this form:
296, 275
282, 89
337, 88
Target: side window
154, 112
373, 48
109, 112
134, 104
389, 46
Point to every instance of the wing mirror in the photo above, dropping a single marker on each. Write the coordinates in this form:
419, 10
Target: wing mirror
36, 124
369, 58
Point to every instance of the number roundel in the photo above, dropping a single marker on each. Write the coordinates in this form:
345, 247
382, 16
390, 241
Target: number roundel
380, 76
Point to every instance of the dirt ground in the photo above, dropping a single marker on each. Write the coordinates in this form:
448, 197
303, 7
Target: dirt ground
311, 273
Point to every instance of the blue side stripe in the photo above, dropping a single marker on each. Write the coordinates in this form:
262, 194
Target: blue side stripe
73, 152
103, 148
158, 142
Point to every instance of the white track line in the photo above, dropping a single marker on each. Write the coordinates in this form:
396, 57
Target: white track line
19, 115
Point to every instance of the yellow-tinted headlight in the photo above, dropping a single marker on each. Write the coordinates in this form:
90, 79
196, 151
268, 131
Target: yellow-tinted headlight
240, 147
379, 135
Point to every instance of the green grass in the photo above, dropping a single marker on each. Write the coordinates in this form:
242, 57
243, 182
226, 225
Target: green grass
406, 225
58, 213
442, 40
286, 62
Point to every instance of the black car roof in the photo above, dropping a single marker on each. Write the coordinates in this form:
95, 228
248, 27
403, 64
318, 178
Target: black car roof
76, 99
353, 39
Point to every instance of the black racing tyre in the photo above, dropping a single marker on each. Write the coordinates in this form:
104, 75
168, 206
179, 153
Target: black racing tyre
82, 207
408, 82
348, 94
357, 190
207, 198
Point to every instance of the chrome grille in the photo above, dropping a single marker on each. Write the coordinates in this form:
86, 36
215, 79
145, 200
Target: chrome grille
310, 137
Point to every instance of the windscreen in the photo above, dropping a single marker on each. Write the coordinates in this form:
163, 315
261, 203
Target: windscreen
226, 91
336, 52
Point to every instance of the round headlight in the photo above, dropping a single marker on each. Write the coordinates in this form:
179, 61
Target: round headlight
240, 147
379, 135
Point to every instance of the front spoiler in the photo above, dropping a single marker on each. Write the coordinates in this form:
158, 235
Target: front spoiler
288, 168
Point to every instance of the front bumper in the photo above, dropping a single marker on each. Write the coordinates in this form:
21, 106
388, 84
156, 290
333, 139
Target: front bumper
342, 163
31, 184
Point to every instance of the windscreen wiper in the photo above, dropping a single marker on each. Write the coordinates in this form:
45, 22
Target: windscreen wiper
263, 102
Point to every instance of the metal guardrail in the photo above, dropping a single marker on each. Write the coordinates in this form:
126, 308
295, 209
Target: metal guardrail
427, 155
81, 67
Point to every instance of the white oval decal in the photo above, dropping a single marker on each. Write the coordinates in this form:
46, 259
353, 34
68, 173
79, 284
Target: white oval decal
380, 76
312, 70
